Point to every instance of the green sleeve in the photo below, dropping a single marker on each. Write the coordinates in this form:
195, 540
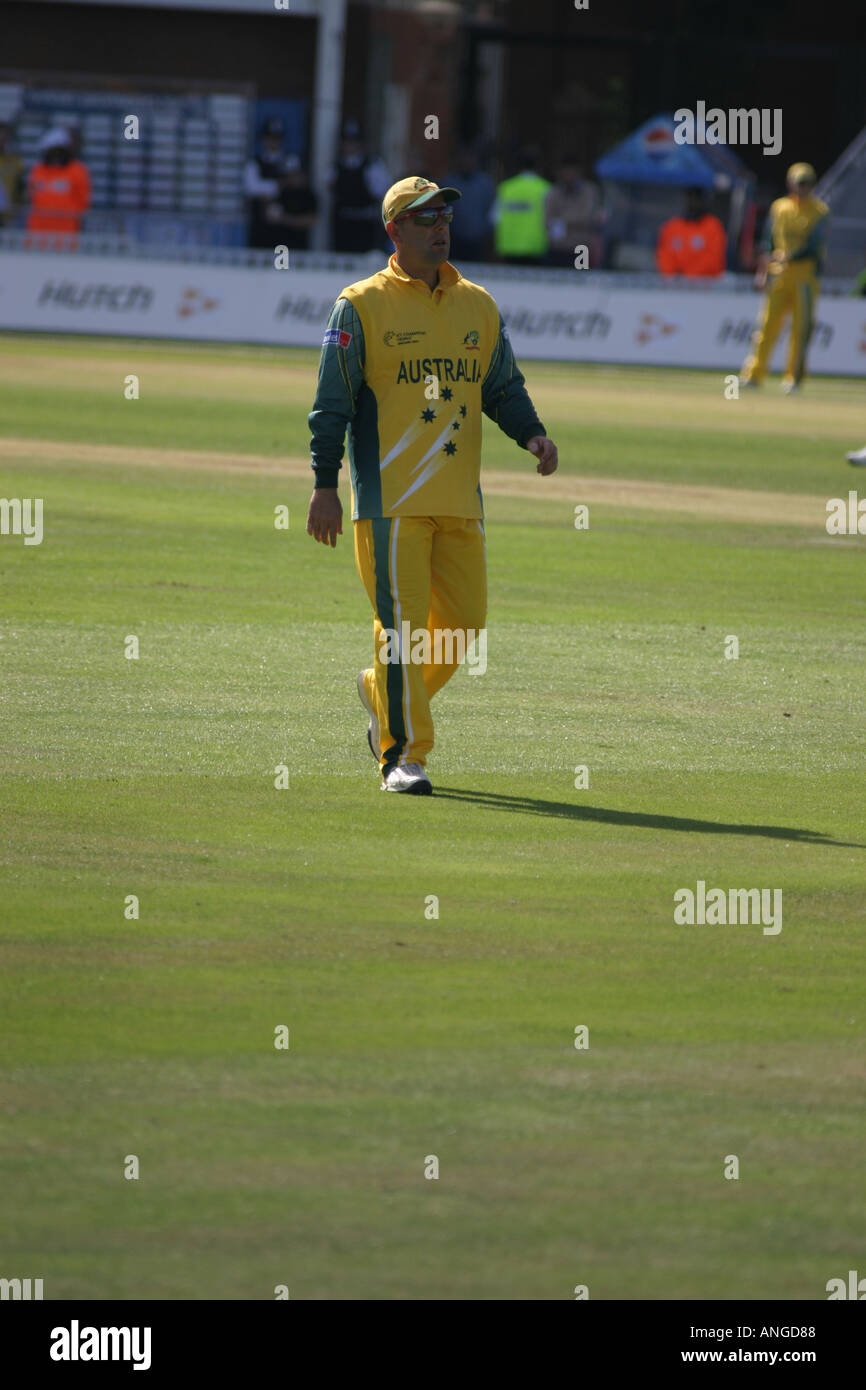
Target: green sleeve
341, 376
504, 397
813, 247
766, 242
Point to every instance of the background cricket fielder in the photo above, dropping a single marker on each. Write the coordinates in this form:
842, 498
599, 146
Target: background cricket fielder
411, 358
788, 268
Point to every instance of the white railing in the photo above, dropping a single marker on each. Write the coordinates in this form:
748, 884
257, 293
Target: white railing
105, 246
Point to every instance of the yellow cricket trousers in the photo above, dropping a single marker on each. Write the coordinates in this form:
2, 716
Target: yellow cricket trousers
421, 573
790, 292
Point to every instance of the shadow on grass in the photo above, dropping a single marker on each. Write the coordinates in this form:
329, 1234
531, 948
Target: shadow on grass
640, 820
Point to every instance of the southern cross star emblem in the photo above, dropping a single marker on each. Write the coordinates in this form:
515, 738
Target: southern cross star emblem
428, 415
450, 447
447, 393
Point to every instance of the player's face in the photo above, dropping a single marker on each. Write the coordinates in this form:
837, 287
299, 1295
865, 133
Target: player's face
429, 245
801, 189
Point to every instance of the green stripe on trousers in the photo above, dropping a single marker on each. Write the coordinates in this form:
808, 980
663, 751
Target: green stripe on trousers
385, 612
806, 320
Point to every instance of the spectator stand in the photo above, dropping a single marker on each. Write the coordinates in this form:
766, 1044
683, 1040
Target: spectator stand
180, 182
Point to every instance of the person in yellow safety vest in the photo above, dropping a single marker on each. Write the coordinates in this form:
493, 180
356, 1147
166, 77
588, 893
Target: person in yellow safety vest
518, 214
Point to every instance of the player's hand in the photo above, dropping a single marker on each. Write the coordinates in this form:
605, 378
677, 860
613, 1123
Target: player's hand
761, 269
545, 451
325, 517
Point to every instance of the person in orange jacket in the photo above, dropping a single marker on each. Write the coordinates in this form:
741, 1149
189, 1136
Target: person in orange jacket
693, 244
58, 190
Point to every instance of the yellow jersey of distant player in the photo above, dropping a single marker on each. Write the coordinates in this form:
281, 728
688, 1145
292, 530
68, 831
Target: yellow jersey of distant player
797, 227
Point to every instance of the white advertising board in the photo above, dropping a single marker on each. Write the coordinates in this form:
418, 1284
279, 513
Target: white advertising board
658, 327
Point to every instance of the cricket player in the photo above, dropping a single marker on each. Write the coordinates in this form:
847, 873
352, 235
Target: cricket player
411, 357
788, 268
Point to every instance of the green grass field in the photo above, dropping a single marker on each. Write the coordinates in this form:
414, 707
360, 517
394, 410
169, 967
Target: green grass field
305, 907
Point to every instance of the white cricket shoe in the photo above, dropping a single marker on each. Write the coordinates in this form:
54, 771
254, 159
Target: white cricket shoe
858, 458
789, 387
408, 777
748, 383
373, 726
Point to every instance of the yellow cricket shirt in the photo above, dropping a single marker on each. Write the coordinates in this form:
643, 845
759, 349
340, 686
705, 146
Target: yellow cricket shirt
797, 227
409, 372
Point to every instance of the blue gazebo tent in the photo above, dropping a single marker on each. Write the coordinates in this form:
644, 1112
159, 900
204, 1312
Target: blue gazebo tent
643, 178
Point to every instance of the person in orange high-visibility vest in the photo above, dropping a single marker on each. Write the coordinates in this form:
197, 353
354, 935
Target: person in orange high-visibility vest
58, 191
693, 244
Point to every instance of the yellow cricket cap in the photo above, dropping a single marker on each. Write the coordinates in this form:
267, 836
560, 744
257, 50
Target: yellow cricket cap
413, 192
801, 173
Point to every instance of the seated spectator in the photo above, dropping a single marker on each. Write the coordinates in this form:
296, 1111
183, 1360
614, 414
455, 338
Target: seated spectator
574, 216
58, 191
693, 244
